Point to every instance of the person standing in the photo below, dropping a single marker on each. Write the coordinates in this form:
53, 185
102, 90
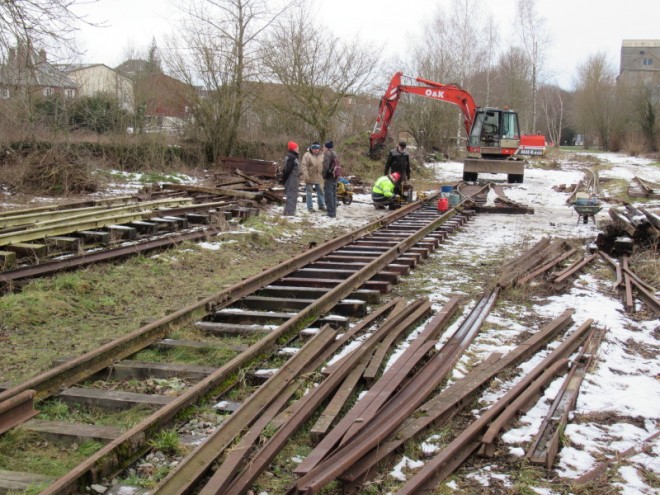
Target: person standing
291, 179
312, 166
330, 175
398, 160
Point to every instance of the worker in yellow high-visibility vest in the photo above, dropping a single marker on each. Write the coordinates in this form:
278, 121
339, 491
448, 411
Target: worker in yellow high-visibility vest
385, 190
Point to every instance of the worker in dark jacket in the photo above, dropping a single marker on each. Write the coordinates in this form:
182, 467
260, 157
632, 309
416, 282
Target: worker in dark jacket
330, 163
398, 160
385, 190
291, 179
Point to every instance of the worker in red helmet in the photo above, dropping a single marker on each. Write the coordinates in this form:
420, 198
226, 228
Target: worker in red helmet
385, 190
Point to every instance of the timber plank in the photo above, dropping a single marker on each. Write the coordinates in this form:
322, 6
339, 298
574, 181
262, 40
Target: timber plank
63, 432
111, 399
14, 480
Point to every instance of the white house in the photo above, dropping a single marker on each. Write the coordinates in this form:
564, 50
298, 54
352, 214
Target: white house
92, 79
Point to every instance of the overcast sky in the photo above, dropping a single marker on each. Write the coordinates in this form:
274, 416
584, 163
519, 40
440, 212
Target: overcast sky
577, 28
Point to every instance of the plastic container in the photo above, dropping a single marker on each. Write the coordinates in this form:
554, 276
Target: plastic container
454, 199
443, 204
445, 191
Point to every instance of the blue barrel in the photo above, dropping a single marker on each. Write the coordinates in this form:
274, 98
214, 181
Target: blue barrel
445, 191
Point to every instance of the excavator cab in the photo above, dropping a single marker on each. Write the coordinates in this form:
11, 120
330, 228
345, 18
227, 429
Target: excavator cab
495, 133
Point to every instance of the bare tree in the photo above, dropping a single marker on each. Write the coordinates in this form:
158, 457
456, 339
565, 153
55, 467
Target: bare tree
595, 98
321, 75
552, 106
450, 52
218, 53
535, 41
37, 23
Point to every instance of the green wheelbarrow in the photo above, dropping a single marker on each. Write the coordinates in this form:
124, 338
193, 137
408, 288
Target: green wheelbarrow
587, 211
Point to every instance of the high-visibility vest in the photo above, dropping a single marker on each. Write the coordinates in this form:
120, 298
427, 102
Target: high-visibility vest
384, 186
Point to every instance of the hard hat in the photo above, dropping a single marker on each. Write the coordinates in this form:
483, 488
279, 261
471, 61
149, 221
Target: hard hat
396, 176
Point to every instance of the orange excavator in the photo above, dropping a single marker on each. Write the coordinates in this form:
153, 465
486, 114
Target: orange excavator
494, 143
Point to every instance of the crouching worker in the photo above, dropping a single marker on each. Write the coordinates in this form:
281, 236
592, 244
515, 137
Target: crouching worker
385, 190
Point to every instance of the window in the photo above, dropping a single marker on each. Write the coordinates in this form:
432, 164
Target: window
647, 61
4, 93
69, 93
47, 91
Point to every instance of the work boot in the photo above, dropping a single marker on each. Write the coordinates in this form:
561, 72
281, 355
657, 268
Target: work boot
322, 208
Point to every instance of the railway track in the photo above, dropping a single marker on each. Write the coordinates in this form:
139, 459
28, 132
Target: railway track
327, 287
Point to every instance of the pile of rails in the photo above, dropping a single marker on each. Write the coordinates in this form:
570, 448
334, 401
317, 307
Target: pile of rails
47, 239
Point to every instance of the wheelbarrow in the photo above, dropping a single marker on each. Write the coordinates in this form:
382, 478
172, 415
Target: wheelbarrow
585, 211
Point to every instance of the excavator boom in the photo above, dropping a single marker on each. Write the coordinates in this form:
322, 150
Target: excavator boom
428, 89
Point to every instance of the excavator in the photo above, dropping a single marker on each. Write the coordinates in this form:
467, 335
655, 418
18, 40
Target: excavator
494, 143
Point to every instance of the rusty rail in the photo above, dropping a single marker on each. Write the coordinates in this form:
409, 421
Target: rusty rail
190, 470
574, 268
305, 407
545, 445
445, 405
398, 408
87, 259
86, 365
435, 470
16, 410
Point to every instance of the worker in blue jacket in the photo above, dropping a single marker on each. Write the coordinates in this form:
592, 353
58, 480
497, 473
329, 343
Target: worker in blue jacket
385, 190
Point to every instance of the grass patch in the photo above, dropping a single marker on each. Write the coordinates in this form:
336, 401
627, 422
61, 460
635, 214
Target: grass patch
21, 450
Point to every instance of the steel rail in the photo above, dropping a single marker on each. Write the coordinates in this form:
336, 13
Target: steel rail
574, 268
117, 200
462, 446
194, 467
466, 443
235, 458
521, 403
305, 407
451, 400
627, 283
87, 259
104, 461
91, 362
59, 216
550, 264
397, 409
545, 444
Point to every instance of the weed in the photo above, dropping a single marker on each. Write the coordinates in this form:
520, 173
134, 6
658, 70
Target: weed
166, 441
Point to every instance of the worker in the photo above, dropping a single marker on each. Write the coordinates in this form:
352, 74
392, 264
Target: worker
291, 179
398, 160
385, 190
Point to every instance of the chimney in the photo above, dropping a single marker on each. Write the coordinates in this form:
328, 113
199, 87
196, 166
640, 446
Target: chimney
12, 56
42, 57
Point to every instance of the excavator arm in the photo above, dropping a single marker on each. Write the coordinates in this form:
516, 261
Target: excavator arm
428, 89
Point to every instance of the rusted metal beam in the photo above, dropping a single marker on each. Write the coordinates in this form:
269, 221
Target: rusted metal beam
545, 445
17, 410
96, 257
463, 445
574, 268
309, 403
615, 265
546, 267
398, 408
521, 403
442, 407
